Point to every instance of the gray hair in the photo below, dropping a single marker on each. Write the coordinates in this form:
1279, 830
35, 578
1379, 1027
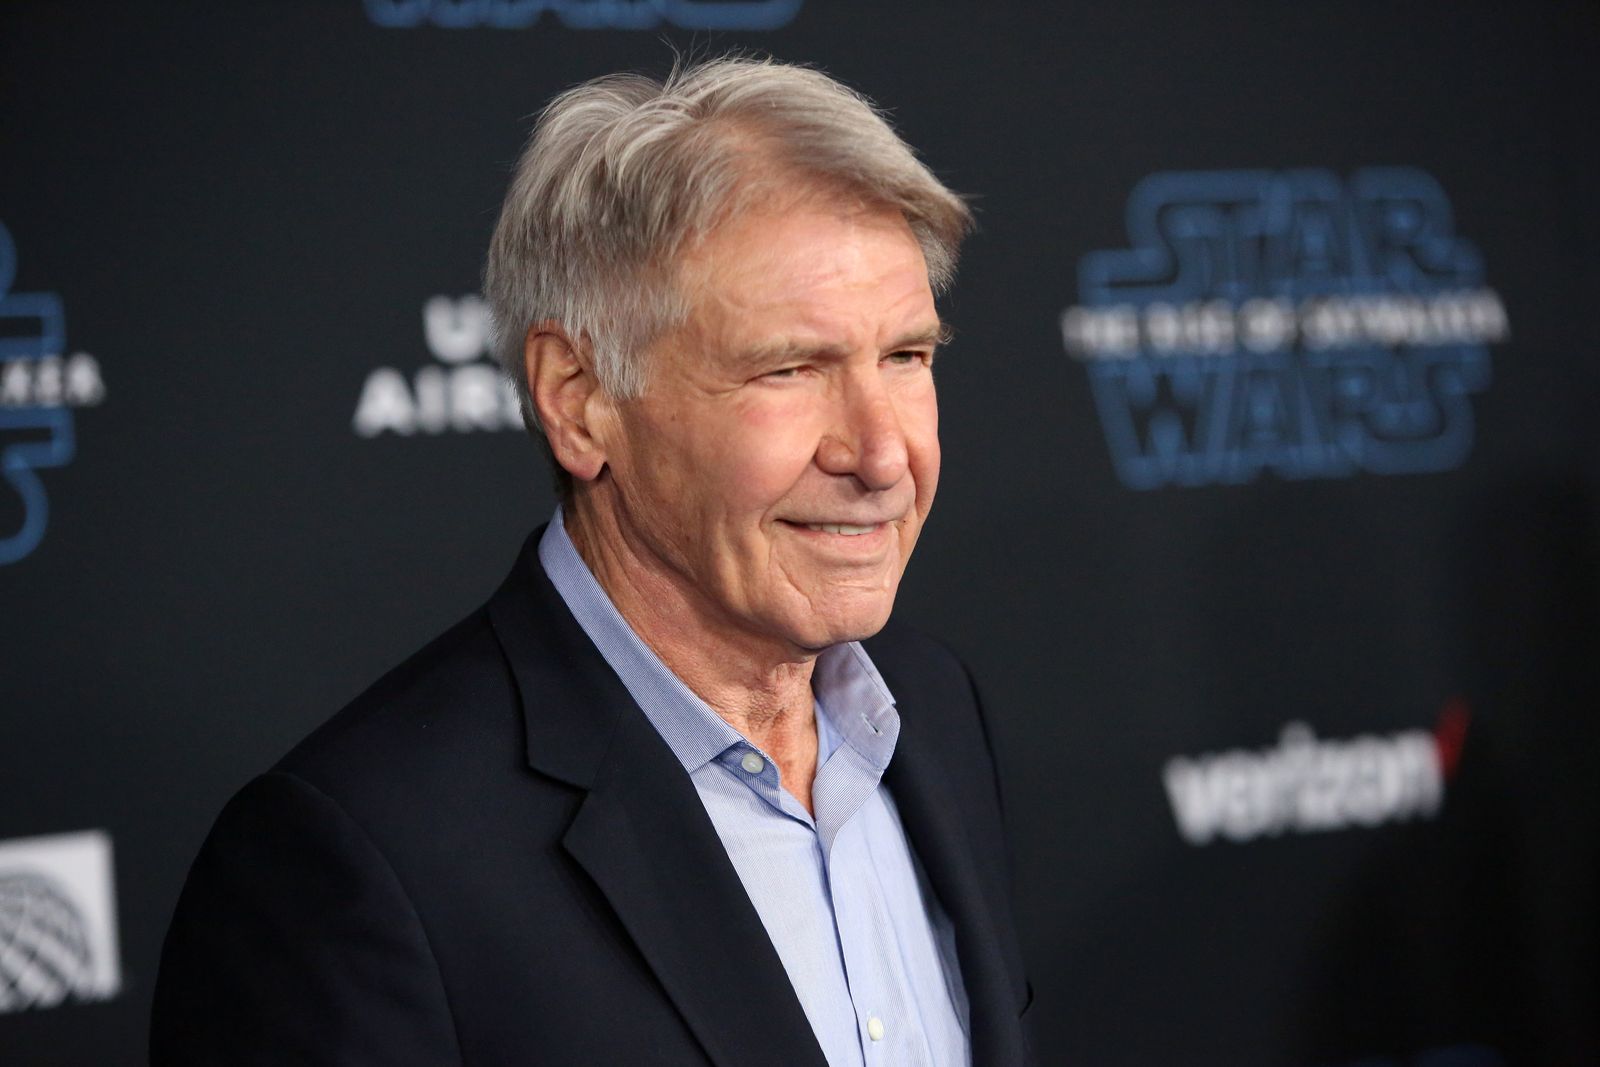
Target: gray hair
622, 171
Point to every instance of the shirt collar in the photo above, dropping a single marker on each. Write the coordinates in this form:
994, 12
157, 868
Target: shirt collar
855, 704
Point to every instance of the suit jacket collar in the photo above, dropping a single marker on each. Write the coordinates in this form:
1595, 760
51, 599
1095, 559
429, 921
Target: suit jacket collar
641, 832
918, 781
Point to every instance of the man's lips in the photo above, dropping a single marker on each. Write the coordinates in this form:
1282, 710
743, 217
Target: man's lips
846, 529
857, 528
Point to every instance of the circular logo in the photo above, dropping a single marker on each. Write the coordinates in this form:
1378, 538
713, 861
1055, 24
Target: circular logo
44, 946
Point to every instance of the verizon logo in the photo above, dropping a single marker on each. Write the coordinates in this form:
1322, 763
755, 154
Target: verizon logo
1306, 784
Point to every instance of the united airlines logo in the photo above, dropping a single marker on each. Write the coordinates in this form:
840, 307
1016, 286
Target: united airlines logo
58, 921
39, 388
1307, 784
462, 391
1287, 322
585, 14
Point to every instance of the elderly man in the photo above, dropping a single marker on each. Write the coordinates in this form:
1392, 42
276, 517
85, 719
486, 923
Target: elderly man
661, 801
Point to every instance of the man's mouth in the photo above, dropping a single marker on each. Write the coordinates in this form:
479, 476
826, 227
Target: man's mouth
844, 528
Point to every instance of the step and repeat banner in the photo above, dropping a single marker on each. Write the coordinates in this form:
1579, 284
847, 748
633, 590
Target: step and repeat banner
1269, 523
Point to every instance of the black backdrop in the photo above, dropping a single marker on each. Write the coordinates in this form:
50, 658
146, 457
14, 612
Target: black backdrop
1299, 732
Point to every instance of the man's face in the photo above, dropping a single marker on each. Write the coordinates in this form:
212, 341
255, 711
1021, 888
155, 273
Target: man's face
779, 467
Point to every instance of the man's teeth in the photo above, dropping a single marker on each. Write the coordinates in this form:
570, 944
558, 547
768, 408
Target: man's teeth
840, 528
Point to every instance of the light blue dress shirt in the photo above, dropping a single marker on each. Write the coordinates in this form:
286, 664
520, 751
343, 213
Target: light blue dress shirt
869, 951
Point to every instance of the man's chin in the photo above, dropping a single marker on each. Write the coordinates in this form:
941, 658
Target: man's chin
824, 630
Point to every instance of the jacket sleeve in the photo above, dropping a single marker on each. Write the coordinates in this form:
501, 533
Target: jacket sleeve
294, 942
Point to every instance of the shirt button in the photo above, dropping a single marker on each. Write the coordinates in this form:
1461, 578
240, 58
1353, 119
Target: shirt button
875, 1028
753, 763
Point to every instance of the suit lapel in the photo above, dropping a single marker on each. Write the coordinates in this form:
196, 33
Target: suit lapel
643, 835
932, 819
670, 881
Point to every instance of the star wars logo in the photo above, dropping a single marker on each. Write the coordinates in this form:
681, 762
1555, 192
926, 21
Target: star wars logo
1290, 322
460, 393
585, 14
39, 388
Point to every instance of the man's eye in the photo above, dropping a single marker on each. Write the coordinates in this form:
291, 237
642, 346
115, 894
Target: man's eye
908, 356
783, 372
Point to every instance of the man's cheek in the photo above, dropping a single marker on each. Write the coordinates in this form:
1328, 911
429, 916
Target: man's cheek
768, 465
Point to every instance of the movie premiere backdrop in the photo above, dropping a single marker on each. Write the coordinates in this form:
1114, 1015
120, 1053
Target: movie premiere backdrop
1268, 520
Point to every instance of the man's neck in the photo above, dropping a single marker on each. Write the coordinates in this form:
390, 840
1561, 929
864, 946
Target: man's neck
761, 690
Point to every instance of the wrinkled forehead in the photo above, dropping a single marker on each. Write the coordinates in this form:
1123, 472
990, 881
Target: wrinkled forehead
820, 267
759, 240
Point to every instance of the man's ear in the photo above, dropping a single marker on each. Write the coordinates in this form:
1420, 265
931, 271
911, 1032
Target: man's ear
565, 390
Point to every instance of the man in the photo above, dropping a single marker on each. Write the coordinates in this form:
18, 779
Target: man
654, 804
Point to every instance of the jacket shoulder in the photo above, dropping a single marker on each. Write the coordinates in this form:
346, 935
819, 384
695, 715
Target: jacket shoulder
434, 717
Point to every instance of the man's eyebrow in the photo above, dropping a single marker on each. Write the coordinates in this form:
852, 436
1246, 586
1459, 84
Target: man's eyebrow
937, 334
785, 350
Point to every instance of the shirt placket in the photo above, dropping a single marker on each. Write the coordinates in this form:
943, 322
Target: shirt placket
872, 963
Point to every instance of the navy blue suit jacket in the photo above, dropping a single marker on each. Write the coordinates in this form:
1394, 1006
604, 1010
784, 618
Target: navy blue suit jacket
492, 857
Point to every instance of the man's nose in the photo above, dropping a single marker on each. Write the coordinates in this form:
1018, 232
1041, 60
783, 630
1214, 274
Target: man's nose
867, 440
